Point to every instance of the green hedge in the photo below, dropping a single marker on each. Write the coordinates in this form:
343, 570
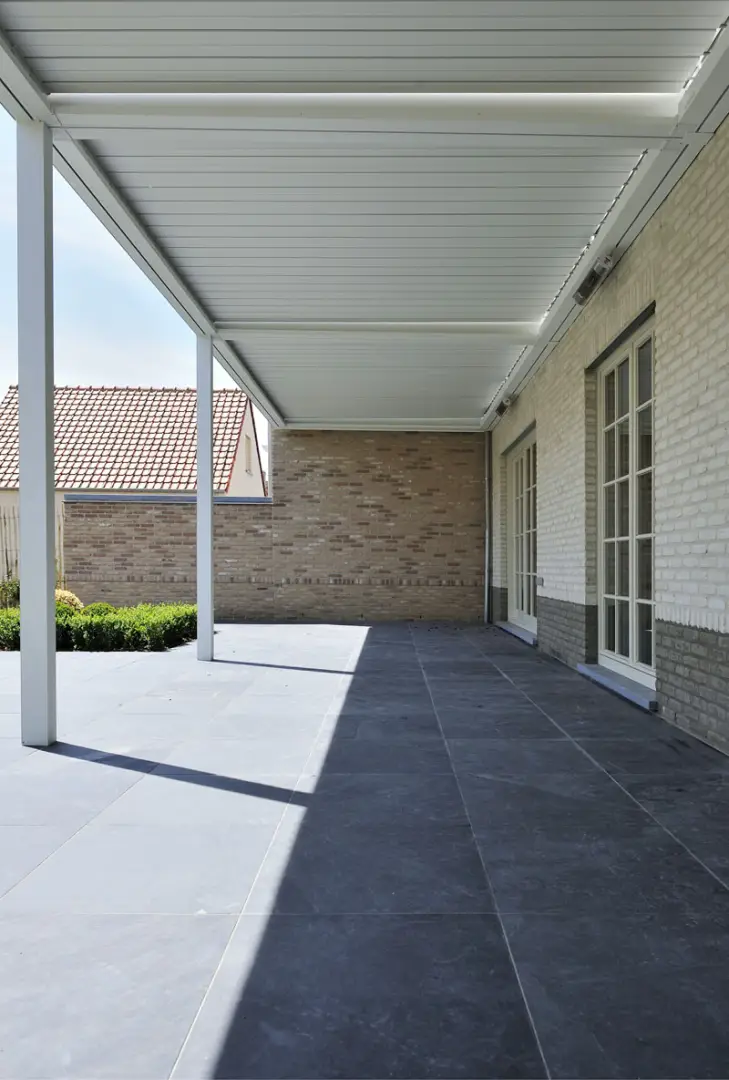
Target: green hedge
9, 593
145, 628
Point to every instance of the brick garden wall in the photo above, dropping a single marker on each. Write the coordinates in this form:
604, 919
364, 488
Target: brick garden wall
363, 526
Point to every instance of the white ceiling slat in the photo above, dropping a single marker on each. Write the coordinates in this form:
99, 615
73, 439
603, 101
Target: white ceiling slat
560, 82
58, 69
401, 44
471, 198
286, 12
513, 277
441, 144
374, 228
332, 162
290, 219
586, 208
263, 263
199, 187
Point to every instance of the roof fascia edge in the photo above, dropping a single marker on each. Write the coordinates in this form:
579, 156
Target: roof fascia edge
24, 99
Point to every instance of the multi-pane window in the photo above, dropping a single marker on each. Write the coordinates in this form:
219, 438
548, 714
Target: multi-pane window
523, 553
626, 512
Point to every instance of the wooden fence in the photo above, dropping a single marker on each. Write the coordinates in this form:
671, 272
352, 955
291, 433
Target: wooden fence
10, 543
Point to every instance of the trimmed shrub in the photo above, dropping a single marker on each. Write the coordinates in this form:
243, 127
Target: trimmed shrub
9, 628
9, 593
146, 628
99, 608
63, 596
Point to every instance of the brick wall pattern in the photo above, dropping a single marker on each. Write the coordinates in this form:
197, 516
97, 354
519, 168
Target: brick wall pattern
363, 526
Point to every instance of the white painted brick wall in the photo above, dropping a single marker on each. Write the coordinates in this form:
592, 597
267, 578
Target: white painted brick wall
692, 396
680, 260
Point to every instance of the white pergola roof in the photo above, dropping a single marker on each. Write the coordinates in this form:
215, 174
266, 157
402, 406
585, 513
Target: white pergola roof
371, 204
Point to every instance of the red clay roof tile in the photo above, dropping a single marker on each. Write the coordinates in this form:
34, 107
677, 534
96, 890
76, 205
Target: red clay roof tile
128, 438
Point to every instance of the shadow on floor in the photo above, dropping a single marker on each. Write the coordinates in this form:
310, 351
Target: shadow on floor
179, 772
470, 794
489, 867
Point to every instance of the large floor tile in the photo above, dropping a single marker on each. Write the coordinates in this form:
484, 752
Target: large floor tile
642, 870
367, 725
12, 751
179, 703
10, 725
549, 803
69, 797
343, 868
385, 710
456, 696
277, 708
672, 753
509, 722
694, 806
244, 758
138, 726
23, 847
393, 755
197, 797
641, 996
603, 721
133, 869
102, 996
370, 800
257, 724
518, 758
364, 997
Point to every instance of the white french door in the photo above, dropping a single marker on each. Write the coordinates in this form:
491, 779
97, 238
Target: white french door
626, 530
522, 553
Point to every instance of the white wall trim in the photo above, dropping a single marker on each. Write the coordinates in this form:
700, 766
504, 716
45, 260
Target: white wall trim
702, 618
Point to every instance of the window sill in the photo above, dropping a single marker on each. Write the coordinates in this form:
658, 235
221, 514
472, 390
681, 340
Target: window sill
527, 636
632, 691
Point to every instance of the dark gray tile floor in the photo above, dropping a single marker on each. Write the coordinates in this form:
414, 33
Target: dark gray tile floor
407, 852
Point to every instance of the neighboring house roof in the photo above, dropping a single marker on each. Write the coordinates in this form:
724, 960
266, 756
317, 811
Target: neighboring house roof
128, 438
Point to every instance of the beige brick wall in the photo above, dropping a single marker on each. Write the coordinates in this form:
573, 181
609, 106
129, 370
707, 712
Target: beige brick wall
363, 526
680, 261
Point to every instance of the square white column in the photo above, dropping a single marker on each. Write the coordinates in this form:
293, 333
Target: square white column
205, 567
35, 393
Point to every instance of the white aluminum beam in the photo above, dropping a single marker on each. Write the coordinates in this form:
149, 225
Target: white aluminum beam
35, 382
649, 116
511, 331
378, 423
204, 501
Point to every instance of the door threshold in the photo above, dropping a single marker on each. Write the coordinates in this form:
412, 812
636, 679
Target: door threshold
527, 636
633, 691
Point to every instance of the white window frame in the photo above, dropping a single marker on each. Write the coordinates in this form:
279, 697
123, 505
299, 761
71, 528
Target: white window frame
518, 615
630, 667
248, 451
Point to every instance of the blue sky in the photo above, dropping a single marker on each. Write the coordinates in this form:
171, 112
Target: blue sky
112, 327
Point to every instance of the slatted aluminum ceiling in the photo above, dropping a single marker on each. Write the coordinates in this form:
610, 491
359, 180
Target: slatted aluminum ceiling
290, 218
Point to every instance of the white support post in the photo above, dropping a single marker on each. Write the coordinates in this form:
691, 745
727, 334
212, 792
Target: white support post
35, 383
205, 574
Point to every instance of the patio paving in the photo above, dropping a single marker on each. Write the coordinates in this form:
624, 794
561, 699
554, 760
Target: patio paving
398, 851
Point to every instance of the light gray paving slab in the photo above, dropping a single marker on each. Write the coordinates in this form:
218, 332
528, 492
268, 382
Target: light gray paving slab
86, 998
23, 847
143, 869
200, 798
